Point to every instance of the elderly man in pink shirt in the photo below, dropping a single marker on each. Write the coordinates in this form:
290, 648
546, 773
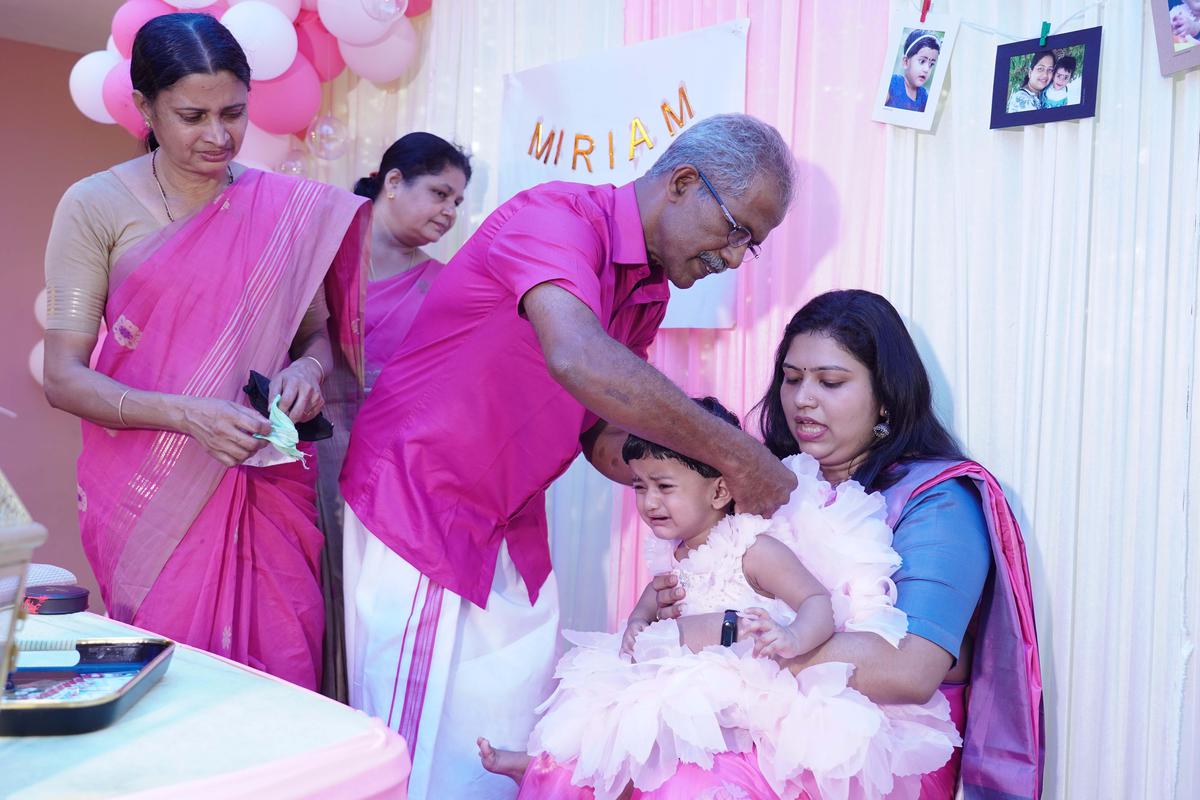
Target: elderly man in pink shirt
530, 348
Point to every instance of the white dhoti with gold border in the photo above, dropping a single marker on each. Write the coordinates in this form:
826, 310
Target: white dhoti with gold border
441, 671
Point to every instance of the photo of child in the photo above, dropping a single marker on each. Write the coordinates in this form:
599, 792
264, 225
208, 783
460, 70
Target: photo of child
1045, 79
1057, 94
1185, 23
915, 66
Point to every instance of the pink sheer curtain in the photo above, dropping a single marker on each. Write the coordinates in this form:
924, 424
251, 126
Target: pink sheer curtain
812, 72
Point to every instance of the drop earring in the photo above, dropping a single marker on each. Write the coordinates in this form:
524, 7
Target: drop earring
882, 430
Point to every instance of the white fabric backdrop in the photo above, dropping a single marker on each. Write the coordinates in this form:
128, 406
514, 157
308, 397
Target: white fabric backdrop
1049, 275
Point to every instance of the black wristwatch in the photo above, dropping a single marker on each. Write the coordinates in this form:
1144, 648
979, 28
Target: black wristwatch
729, 628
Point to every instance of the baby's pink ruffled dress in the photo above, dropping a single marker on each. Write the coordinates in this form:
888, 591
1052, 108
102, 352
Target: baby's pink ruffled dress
669, 719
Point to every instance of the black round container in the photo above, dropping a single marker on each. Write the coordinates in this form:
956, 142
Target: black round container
66, 599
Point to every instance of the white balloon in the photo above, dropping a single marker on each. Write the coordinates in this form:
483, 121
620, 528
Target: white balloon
385, 60
87, 81
37, 361
265, 34
263, 150
349, 21
289, 8
39, 308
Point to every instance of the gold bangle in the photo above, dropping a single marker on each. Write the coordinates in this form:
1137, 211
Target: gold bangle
320, 366
120, 404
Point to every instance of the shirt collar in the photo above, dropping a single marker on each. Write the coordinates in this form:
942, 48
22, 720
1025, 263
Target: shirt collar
629, 240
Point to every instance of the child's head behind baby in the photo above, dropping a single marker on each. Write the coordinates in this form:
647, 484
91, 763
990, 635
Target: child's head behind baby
678, 497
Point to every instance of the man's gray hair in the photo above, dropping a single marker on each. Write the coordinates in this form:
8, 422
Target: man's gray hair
732, 150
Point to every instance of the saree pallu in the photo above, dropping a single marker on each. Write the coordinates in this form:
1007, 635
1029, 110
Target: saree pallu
225, 559
1003, 753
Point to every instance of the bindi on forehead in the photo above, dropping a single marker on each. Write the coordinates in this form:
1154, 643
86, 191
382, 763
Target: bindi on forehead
824, 368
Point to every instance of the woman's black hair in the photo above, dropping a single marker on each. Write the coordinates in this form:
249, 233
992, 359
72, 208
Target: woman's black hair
636, 447
918, 39
169, 48
414, 154
868, 327
1038, 56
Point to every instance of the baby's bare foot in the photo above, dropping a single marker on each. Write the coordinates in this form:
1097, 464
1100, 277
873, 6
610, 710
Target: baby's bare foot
503, 762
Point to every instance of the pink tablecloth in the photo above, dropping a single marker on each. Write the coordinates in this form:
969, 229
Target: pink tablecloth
211, 728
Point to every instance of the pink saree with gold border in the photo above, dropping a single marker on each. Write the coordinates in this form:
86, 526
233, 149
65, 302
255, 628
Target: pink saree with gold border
225, 559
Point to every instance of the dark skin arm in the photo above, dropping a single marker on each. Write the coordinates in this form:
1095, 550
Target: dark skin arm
617, 386
602, 445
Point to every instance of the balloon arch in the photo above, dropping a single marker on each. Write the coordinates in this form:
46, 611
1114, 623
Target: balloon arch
293, 46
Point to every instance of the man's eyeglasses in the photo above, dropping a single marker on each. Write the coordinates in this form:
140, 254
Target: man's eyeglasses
739, 235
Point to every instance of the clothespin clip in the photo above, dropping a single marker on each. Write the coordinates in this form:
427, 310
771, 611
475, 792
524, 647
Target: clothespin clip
925, 4
1045, 33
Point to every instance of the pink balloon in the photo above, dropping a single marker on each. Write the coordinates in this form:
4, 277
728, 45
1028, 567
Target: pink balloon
214, 10
290, 8
263, 150
117, 92
349, 21
386, 60
417, 7
319, 46
286, 103
131, 17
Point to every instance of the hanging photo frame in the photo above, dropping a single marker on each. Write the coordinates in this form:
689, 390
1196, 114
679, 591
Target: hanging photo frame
918, 59
1035, 83
1177, 34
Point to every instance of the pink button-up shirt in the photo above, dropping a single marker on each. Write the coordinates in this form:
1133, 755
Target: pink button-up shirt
465, 428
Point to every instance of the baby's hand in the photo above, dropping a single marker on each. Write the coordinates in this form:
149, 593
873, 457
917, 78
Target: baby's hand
632, 630
770, 638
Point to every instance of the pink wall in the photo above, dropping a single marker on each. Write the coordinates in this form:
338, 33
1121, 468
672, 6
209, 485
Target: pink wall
46, 145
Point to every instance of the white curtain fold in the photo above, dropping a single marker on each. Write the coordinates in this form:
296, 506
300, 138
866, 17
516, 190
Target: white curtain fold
1049, 274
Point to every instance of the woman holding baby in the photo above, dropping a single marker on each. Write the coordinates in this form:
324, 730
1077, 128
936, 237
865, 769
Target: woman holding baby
849, 390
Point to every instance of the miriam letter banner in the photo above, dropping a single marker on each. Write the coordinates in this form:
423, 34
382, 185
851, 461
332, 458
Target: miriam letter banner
606, 118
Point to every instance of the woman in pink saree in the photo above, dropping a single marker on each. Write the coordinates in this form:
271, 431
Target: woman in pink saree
849, 389
414, 197
203, 271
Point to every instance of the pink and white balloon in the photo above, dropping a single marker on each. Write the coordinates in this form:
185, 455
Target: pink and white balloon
129, 19
263, 150
293, 46
349, 22
387, 59
289, 8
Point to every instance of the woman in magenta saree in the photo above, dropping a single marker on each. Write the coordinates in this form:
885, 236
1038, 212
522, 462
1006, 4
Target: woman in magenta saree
414, 197
247, 271
849, 389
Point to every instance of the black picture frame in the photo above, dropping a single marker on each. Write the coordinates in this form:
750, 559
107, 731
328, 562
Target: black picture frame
1089, 38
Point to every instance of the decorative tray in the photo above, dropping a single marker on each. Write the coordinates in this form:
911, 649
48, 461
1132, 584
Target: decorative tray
112, 675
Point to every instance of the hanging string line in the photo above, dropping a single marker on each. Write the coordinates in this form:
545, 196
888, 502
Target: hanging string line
1008, 36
